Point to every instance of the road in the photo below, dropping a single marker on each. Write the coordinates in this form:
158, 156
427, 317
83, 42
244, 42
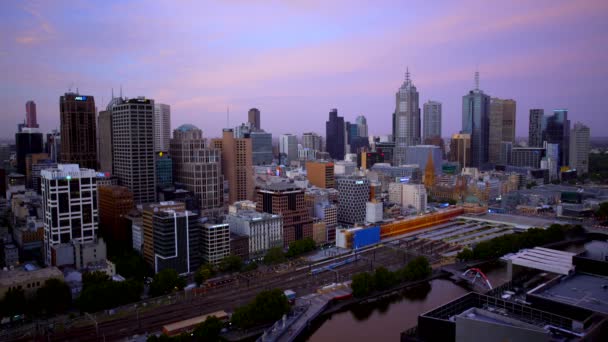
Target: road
228, 298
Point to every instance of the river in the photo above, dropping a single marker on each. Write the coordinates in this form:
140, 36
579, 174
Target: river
384, 320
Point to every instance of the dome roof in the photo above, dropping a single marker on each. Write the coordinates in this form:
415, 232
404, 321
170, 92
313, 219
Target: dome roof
186, 128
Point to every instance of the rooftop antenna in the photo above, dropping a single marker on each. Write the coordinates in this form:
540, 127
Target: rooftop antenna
78, 93
476, 79
112, 93
121, 91
227, 116
407, 75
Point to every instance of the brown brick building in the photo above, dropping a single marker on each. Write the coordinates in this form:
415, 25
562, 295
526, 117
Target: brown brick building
321, 174
115, 203
78, 130
237, 165
288, 201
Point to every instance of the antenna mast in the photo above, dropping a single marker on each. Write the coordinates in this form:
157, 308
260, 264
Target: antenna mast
477, 80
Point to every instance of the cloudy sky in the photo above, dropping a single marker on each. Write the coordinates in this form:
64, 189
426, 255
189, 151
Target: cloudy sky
297, 59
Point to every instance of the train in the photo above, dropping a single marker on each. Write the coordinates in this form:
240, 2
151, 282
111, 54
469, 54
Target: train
331, 266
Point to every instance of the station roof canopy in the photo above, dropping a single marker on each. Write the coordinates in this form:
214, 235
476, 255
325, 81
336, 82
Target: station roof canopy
544, 259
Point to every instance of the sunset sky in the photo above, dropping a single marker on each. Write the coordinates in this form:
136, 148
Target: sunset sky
297, 59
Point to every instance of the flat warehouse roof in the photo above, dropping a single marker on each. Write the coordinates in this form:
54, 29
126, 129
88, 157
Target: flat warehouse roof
543, 259
582, 290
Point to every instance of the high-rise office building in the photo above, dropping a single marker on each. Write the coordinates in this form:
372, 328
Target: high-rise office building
460, 149
69, 202
288, 146
236, 165
431, 122
164, 170
312, 141
334, 135
261, 146
149, 237
420, 155
177, 241
556, 130
26, 142
579, 148
352, 199
30, 160
406, 123
535, 129
216, 242
527, 156
320, 174
361, 122
53, 145
30, 114
104, 135
288, 201
162, 127
115, 203
197, 166
475, 121
133, 147
501, 126
254, 119
78, 130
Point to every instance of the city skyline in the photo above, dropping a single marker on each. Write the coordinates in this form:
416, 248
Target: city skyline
303, 52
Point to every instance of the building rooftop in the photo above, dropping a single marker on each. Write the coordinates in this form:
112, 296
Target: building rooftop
19, 275
544, 259
252, 215
522, 222
282, 186
582, 290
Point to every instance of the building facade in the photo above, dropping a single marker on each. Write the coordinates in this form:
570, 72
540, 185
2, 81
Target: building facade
133, 147
162, 127
237, 165
535, 129
288, 146
406, 122
264, 230
334, 136
475, 121
177, 241
556, 130
30, 114
149, 210
115, 204
70, 206
104, 140
288, 201
419, 155
352, 199
431, 122
460, 149
27, 141
501, 126
254, 118
321, 174
78, 130
261, 146
579, 148
216, 242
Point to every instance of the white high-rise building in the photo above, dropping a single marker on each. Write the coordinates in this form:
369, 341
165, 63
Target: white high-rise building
162, 127
431, 120
216, 242
361, 125
406, 120
579, 148
69, 203
288, 145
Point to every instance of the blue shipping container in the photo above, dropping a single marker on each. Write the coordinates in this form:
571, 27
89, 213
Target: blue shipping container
366, 237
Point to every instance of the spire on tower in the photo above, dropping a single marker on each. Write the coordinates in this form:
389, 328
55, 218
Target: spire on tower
476, 79
407, 75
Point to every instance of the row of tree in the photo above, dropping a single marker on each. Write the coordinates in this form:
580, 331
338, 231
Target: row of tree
99, 292
54, 297
364, 284
510, 243
296, 248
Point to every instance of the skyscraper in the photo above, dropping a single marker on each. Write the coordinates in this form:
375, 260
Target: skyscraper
27, 141
236, 165
254, 118
535, 130
288, 145
312, 141
579, 148
353, 194
198, 166
261, 145
431, 120
177, 240
53, 145
501, 125
334, 135
407, 119
475, 121
30, 114
133, 147
104, 134
362, 126
78, 130
556, 130
162, 127
70, 206
460, 149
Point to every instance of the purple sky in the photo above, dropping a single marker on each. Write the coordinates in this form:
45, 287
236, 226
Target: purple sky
297, 59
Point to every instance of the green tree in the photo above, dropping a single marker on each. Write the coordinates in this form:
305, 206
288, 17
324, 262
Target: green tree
14, 303
54, 297
602, 212
209, 330
165, 282
203, 273
274, 255
231, 263
465, 254
250, 267
267, 307
299, 247
384, 279
132, 266
109, 294
362, 284
92, 278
